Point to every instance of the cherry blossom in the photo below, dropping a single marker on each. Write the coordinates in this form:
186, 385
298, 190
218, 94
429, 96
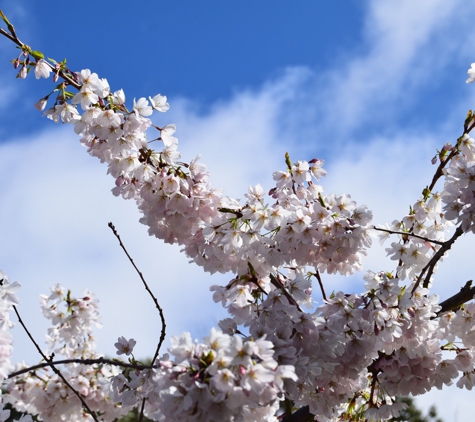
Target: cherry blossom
125, 346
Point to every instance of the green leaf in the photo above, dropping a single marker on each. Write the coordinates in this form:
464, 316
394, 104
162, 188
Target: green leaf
37, 54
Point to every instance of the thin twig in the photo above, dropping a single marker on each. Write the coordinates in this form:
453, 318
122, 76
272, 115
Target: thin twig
280, 286
429, 268
17, 41
157, 305
142, 408
56, 370
11, 37
259, 287
319, 278
437, 242
98, 361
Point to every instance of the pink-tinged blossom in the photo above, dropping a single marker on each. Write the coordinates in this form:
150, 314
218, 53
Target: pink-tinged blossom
41, 104
88, 79
166, 135
159, 103
142, 108
471, 74
317, 169
125, 346
42, 69
85, 97
119, 97
23, 73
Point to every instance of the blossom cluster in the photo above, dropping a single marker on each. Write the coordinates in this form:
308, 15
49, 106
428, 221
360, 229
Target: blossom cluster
44, 393
178, 204
224, 378
459, 196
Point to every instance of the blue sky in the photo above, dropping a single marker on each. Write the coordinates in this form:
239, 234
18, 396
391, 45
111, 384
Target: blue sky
371, 87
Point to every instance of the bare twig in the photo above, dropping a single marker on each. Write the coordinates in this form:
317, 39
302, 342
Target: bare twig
280, 286
157, 305
11, 37
98, 361
437, 242
319, 278
142, 408
56, 370
256, 283
429, 268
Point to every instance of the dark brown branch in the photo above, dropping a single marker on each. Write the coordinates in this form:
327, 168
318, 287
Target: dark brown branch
429, 268
98, 361
256, 283
466, 294
301, 415
437, 242
319, 278
55, 370
279, 285
439, 172
142, 408
11, 37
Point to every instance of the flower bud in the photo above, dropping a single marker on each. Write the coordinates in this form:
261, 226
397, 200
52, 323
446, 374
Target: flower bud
16, 63
447, 147
41, 104
22, 74
55, 77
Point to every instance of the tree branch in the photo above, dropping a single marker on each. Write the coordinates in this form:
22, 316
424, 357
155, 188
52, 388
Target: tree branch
98, 361
13, 37
429, 268
280, 286
466, 293
55, 370
437, 242
439, 172
301, 415
319, 278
